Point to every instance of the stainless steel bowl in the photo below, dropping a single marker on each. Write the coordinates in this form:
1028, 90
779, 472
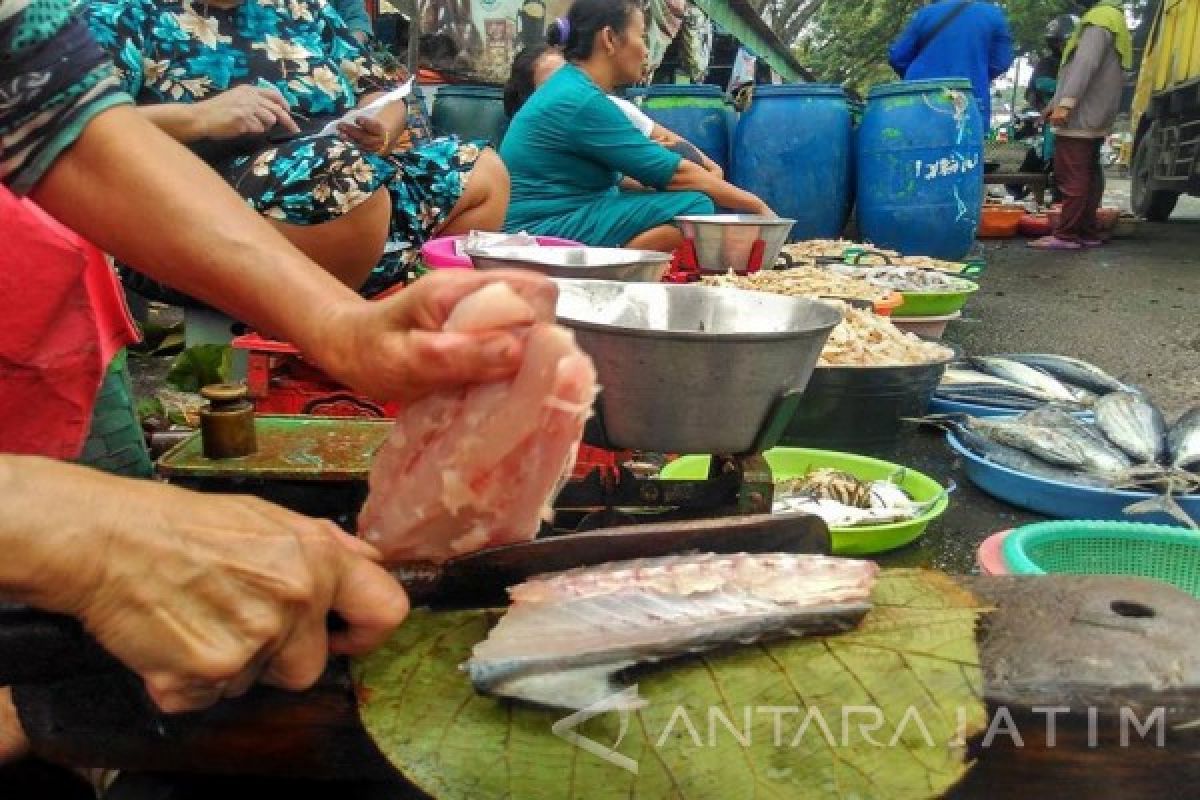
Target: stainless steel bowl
593, 263
690, 368
726, 241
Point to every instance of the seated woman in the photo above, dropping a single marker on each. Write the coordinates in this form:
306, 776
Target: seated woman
534, 65
569, 146
249, 86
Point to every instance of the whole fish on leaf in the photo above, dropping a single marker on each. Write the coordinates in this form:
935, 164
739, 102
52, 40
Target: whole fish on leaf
1025, 375
1183, 441
567, 634
1071, 370
1134, 424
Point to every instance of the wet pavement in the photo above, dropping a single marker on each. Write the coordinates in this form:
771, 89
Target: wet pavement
1132, 307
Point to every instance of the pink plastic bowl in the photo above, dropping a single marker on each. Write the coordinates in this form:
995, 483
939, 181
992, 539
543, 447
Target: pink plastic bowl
991, 555
440, 254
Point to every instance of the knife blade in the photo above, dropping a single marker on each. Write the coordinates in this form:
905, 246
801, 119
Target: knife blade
42, 647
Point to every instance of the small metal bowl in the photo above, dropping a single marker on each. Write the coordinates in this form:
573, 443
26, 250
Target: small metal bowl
728, 241
584, 263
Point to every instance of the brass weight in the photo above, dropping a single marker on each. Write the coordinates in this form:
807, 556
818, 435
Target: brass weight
227, 425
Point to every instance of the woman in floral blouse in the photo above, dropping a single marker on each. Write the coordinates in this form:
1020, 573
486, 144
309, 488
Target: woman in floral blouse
248, 83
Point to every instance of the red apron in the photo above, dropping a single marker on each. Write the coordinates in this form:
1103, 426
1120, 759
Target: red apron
64, 318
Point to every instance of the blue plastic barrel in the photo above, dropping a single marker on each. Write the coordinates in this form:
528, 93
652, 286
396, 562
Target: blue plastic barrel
471, 112
793, 149
920, 168
696, 112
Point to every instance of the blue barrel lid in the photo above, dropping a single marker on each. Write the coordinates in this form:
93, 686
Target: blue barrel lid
918, 87
683, 90
800, 89
471, 90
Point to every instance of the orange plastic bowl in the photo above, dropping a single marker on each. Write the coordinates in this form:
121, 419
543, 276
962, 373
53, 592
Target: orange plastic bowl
886, 305
1000, 222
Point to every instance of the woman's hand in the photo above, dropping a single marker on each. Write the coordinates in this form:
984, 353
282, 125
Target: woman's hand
242, 111
394, 348
1059, 116
384, 133
202, 595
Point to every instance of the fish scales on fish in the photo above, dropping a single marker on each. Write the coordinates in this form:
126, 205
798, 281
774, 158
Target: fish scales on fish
567, 634
1024, 375
1183, 441
1134, 424
1072, 371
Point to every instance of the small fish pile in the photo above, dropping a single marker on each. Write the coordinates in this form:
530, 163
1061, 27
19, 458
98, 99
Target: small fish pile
800, 282
567, 634
823, 248
844, 501
1026, 381
1129, 446
906, 279
865, 339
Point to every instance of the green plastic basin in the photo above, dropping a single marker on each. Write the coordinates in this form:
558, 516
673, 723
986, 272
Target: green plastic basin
793, 462
934, 304
1088, 547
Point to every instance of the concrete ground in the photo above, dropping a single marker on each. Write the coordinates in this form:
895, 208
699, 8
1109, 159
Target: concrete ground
1132, 307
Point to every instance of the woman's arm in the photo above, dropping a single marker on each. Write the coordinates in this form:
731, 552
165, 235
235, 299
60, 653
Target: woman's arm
668, 137
240, 111
692, 177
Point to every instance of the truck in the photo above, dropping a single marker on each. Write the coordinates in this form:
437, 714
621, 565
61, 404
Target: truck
1165, 116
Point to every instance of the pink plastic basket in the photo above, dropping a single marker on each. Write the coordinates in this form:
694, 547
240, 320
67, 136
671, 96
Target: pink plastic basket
440, 253
991, 555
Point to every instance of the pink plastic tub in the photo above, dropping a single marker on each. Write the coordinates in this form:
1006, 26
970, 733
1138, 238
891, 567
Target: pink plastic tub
440, 253
991, 555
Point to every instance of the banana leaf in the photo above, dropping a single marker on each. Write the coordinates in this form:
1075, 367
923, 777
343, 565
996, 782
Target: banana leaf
778, 720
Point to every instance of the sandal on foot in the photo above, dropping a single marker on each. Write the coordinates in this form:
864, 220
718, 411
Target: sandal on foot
1054, 243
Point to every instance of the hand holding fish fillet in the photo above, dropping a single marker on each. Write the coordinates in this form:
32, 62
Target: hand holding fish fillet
477, 466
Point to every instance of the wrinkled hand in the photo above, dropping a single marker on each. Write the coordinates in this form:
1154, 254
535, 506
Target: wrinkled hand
394, 348
13, 744
1059, 116
373, 135
244, 110
203, 595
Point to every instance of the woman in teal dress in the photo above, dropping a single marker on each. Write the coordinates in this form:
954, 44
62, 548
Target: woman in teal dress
569, 149
248, 83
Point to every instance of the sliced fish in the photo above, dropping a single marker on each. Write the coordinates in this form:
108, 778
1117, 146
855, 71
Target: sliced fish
567, 634
1134, 424
1071, 370
1025, 375
1183, 441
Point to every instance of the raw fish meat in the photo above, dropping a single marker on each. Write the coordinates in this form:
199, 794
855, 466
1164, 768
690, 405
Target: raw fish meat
478, 467
568, 633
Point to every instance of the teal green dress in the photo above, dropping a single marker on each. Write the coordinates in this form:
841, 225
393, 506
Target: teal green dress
566, 151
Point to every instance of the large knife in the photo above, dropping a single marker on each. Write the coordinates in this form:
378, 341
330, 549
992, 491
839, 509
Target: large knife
40, 647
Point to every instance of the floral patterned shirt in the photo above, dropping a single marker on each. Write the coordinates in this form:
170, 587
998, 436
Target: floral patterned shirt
184, 51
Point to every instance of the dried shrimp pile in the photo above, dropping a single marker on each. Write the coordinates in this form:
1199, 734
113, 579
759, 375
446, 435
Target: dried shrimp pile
801, 281
864, 339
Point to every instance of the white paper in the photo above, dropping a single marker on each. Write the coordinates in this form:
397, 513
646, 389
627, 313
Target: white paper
371, 109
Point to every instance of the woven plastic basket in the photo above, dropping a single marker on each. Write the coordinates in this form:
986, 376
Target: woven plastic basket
1160, 552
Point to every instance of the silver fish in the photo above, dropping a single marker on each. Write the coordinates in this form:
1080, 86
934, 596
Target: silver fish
1183, 441
1021, 461
1100, 455
1071, 370
1054, 445
1134, 424
567, 634
1024, 375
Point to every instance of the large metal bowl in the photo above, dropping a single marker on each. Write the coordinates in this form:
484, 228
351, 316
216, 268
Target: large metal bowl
727, 241
592, 263
690, 368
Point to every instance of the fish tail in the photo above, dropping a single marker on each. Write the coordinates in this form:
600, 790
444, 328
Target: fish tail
1163, 505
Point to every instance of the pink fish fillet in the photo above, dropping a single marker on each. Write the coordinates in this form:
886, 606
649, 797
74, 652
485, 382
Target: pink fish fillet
478, 467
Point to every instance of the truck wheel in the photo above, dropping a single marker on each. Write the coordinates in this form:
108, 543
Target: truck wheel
1155, 205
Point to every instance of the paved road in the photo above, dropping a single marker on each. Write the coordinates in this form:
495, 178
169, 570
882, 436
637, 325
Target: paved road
1131, 307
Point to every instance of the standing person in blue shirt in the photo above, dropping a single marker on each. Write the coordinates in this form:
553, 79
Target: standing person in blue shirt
956, 39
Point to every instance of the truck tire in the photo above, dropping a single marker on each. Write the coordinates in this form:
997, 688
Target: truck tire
115, 441
1155, 205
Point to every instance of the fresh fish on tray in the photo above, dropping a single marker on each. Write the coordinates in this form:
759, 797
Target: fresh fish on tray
1072, 371
1024, 375
1134, 424
844, 501
567, 634
1183, 441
